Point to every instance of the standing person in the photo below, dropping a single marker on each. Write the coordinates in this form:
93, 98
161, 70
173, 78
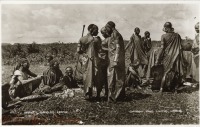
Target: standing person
88, 49
116, 68
137, 51
102, 64
170, 53
146, 47
146, 43
195, 50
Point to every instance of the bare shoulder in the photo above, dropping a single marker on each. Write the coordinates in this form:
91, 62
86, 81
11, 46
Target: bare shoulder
86, 39
97, 38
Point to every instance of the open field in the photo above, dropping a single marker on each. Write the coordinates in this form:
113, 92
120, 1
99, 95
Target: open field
139, 107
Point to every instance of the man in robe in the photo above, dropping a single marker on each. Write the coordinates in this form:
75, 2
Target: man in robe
137, 52
116, 67
170, 55
88, 47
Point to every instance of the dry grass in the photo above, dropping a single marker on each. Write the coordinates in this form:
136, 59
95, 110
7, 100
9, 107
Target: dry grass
139, 107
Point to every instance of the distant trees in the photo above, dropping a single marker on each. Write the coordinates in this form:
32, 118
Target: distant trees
33, 48
36, 53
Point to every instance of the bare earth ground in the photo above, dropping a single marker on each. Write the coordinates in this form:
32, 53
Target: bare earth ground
139, 107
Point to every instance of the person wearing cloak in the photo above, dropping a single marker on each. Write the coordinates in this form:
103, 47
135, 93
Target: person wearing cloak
116, 67
88, 47
137, 51
170, 54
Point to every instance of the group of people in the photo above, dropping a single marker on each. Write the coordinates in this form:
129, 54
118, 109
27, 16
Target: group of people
102, 64
24, 82
103, 61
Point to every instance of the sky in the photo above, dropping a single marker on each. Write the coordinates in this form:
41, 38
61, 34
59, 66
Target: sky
46, 23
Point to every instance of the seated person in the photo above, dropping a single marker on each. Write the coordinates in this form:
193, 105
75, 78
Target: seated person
68, 80
51, 78
133, 79
21, 85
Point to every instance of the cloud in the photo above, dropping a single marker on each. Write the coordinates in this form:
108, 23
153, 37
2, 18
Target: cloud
63, 22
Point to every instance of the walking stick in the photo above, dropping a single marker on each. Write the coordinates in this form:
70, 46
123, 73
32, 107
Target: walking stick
78, 53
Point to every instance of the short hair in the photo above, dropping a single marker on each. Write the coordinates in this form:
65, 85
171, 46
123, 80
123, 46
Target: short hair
92, 27
111, 24
147, 32
137, 29
168, 25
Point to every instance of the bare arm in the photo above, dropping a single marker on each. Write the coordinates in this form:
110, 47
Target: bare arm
31, 73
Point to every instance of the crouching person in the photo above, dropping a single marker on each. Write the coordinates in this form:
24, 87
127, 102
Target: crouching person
68, 80
133, 79
23, 81
51, 78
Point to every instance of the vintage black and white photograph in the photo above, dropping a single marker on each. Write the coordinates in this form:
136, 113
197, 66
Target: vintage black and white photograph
94, 63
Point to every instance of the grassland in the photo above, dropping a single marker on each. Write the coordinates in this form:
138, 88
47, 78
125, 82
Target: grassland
142, 107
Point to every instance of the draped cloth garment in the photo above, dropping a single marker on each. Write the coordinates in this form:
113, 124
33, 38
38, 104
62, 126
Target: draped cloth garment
137, 51
88, 58
172, 56
116, 75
